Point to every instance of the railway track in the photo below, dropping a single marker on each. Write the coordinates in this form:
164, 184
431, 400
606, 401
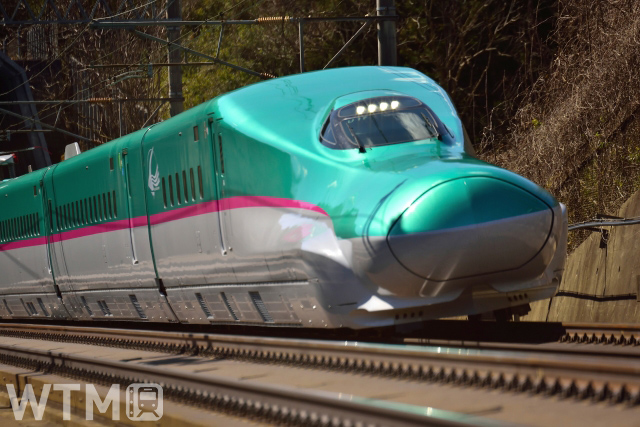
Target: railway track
597, 333
575, 372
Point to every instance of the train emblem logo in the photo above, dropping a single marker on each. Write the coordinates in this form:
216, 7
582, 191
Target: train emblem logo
144, 402
154, 178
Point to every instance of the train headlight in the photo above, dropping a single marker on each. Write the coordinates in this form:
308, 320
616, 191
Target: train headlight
383, 106
360, 109
372, 108
394, 105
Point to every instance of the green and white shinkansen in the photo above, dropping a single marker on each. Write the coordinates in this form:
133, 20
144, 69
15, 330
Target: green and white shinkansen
340, 198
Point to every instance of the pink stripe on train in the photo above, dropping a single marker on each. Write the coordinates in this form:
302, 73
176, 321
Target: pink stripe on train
240, 202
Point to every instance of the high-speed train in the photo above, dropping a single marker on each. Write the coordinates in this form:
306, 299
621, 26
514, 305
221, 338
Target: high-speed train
345, 198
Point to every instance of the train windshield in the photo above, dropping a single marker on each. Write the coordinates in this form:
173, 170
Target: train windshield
382, 121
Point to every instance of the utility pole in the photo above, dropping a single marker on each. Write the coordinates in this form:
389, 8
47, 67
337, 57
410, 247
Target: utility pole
386, 33
174, 12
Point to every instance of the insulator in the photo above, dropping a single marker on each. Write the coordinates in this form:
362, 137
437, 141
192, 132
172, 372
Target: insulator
268, 76
99, 100
272, 19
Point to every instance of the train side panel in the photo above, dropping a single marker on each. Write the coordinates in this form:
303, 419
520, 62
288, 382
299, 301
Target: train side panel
100, 238
26, 283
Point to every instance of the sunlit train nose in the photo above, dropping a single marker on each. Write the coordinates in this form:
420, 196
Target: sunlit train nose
470, 226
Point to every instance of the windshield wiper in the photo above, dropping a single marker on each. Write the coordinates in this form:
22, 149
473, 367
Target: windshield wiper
360, 145
432, 127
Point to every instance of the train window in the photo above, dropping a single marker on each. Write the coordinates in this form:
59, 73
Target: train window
381, 121
200, 182
171, 190
37, 216
104, 207
109, 204
115, 206
111, 167
195, 134
78, 213
221, 155
87, 218
193, 185
186, 186
178, 188
164, 193
35, 191
96, 215
90, 208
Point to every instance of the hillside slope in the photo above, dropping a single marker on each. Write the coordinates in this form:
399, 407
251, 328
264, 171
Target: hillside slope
577, 131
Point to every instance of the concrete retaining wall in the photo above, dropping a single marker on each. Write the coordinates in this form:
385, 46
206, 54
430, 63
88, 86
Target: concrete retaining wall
600, 284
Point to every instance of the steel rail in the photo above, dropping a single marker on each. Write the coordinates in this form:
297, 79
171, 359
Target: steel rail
587, 376
284, 404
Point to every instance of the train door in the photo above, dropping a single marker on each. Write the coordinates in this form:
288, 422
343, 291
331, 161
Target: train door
128, 205
48, 225
219, 184
54, 243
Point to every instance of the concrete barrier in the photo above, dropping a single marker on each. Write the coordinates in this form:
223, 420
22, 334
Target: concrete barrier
601, 278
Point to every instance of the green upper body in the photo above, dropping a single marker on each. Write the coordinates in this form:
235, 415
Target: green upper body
265, 140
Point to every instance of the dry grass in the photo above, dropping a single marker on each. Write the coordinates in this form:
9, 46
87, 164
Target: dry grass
577, 132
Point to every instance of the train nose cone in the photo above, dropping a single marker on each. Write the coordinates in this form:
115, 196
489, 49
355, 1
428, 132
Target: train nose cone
470, 226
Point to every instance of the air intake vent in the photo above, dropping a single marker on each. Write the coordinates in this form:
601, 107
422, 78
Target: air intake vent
86, 306
105, 308
7, 307
137, 306
262, 309
29, 307
226, 303
44, 309
203, 306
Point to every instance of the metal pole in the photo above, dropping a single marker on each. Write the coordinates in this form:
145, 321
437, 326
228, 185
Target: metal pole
120, 115
386, 33
174, 11
301, 42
